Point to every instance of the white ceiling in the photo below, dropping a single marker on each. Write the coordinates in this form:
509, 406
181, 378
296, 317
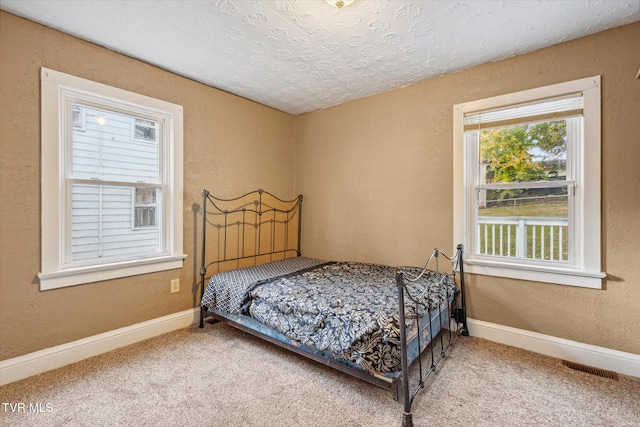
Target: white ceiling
303, 55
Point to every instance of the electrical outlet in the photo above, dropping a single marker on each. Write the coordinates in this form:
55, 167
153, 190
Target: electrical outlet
175, 285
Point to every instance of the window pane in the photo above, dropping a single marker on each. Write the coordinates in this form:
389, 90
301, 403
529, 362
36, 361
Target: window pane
145, 196
145, 217
530, 202
77, 117
101, 225
106, 150
524, 153
145, 130
528, 223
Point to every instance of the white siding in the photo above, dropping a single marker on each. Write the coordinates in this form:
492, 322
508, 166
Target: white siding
102, 221
111, 234
112, 145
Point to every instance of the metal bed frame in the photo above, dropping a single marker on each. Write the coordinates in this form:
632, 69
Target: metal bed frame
259, 210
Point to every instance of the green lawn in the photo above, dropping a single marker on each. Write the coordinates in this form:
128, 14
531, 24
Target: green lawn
547, 210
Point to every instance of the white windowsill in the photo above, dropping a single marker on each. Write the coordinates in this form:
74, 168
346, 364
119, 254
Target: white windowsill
556, 275
82, 275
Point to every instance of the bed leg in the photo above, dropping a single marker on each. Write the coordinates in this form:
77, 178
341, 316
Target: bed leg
462, 312
407, 419
203, 268
406, 398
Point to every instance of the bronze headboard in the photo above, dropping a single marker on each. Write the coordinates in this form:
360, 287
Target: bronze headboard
254, 228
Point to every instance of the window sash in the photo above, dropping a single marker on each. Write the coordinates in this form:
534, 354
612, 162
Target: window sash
472, 141
106, 157
105, 151
101, 216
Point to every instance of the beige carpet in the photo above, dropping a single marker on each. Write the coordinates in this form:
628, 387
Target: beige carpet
222, 377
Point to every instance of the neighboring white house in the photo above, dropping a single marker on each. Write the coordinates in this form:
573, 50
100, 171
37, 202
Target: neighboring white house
113, 220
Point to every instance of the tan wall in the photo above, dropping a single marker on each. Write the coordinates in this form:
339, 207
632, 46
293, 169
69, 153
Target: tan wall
376, 175
231, 145
378, 185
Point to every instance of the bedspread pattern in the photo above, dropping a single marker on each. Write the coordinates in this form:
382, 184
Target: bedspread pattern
347, 309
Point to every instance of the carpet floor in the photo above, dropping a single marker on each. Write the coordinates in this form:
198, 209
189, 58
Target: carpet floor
219, 376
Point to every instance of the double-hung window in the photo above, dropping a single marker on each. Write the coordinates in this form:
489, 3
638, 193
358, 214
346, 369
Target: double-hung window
527, 184
111, 182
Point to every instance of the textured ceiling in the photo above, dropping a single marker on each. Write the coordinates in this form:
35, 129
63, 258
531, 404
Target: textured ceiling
303, 55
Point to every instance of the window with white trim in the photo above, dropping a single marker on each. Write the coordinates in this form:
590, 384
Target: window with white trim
527, 184
111, 182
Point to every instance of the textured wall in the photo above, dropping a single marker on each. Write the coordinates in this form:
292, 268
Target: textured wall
376, 175
231, 145
378, 183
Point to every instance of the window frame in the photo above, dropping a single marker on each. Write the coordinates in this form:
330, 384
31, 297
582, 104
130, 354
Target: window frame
56, 90
586, 269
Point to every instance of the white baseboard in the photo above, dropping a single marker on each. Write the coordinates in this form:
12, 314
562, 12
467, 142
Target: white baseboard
586, 354
55, 357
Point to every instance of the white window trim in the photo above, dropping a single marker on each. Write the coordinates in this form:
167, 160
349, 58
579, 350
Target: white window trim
54, 273
587, 271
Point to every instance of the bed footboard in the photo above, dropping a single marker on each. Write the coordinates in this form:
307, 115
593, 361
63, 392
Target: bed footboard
457, 316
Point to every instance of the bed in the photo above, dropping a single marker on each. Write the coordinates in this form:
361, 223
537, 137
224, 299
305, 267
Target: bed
343, 314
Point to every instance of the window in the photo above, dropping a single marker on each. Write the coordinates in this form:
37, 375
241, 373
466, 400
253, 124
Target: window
111, 197
144, 130
77, 117
144, 207
527, 184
